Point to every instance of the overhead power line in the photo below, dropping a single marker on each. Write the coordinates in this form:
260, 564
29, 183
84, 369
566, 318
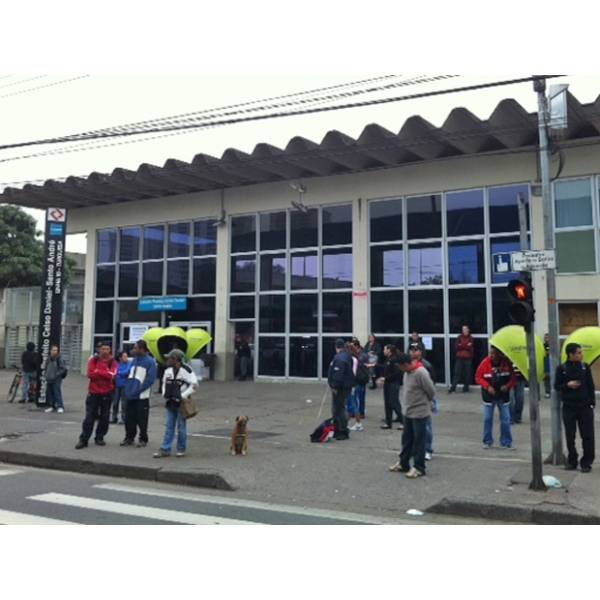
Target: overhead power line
39, 87
23, 81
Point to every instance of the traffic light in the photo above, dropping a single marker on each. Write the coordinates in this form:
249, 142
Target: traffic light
521, 307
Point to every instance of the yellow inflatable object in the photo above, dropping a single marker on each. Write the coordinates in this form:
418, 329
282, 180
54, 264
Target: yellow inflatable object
151, 338
161, 341
512, 342
589, 340
196, 339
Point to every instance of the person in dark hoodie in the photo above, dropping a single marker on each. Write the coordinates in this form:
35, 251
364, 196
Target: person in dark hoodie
30, 362
340, 379
574, 382
137, 393
55, 372
392, 380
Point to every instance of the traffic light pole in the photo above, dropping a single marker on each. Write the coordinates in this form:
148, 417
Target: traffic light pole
537, 481
557, 456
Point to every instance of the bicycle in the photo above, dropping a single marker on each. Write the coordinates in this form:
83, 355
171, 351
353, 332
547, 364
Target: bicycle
14, 386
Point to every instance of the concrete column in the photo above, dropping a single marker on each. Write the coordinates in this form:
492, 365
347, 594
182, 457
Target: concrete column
539, 277
224, 330
88, 298
360, 254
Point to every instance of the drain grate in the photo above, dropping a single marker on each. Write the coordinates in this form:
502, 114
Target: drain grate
258, 435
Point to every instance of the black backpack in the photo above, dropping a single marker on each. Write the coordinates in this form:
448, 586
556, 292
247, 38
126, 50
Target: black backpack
362, 374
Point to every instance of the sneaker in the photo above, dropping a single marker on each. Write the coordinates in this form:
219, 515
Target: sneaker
100, 442
414, 473
400, 427
180, 454
49, 410
80, 445
509, 447
161, 454
546, 395
397, 468
126, 442
357, 427
141, 444
487, 446
385, 427
428, 456
586, 469
60, 411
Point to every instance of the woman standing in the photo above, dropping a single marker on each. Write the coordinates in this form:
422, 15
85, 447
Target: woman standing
373, 351
122, 375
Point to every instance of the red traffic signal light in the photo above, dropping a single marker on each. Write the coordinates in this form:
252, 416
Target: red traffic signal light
521, 308
520, 290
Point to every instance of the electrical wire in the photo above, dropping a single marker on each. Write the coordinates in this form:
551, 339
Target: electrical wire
39, 87
22, 81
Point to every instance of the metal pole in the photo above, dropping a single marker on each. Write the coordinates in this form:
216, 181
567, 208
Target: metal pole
557, 456
537, 482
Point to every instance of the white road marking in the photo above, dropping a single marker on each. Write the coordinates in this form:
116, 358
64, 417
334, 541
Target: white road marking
133, 510
281, 508
9, 472
465, 457
14, 518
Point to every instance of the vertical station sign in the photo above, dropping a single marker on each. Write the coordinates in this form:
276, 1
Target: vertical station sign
52, 291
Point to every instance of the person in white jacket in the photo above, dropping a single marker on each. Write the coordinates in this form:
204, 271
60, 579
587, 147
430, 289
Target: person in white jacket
179, 382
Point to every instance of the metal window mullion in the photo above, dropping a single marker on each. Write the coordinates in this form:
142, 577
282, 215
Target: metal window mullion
487, 261
445, 293
405, 258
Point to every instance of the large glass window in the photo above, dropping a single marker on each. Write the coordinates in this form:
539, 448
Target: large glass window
272, 272
205, 237
337, 268
386, 220
328, 352
500, 305
129, 244
128, 280
304, 271
464, 212
425, 265
154, 242
271, 313
205, 276
304, 313
305, 231
466, 262
304, 356
424, 217
178, 275
387, 312
243, 274
337, 312
575, 251
337, 225
436, 356
243, 234
179, 240
106, 245
271, 356
103, 322
152, 279
105, 281
467, 306
426, 311
504, 208
273, 231
241, 307
573, 203
387, 266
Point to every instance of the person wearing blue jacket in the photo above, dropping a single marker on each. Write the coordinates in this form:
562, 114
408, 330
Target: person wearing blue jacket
138, 387
120, 380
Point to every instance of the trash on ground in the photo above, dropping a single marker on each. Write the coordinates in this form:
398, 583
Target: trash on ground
551, 481
413, 512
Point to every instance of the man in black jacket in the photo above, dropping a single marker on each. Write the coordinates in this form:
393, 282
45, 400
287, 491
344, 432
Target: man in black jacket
575, 383
392, 380
30, 362
340, 379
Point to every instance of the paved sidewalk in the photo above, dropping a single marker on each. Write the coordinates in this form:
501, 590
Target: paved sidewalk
283, 466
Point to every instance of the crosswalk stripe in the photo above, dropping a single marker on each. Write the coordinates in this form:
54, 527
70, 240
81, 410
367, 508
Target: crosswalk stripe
8, 517
9, 472
239, 503
134, 510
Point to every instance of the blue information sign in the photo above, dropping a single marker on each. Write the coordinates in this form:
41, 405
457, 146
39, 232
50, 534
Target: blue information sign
158, 303
502, 262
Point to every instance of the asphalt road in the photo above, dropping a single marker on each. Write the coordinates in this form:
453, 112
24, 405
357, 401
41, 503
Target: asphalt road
38, 497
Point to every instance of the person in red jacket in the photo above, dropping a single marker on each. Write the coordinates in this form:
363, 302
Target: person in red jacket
463, 365
496, 377
101, 371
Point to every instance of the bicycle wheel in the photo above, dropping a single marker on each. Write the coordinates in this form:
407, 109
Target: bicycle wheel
14, 387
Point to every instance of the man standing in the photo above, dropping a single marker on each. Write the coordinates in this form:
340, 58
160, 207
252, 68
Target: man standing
416, 355
517, 397
575, 383
101, 372
496, 378
463, 365
416, 339
356, 400
30, 361
392, 380
340, 379
56, 371
137, 393
373, 350
419, 393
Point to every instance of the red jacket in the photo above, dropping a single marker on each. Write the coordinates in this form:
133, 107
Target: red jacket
496, 377
101, 374
464, 347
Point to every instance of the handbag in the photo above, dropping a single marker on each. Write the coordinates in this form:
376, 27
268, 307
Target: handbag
189, 408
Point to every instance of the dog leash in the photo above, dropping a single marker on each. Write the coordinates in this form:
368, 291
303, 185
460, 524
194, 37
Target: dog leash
323, 403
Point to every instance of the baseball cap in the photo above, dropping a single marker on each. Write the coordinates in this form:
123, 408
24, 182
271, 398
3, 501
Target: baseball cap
340, 343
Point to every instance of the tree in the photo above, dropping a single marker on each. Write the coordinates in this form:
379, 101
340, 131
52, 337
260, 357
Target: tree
21, 249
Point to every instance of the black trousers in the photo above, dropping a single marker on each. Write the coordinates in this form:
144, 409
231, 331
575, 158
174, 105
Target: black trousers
137, 413
575, 416
339, 398
391, 401
97, 408
413, 443
463, 371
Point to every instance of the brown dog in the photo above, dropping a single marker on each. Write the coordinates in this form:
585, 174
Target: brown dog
239, 437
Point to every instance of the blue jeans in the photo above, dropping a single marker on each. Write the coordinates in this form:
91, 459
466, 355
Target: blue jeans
119, 397
517, 399
356, 401
54, 394
488, 423
174, 417
28, 378
429, 436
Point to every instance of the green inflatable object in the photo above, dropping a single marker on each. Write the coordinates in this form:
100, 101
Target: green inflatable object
589, 340
196, 339
171, 338
512, 341
151, 338
161, 341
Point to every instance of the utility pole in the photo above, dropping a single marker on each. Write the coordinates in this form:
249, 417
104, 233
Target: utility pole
537, 481
557, 456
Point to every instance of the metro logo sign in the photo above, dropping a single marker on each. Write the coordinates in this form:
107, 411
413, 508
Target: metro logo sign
56, 215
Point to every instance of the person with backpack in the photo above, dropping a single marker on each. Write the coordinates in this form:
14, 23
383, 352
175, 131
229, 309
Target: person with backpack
179, 382
574, 382
392, 380
55, 372
137, 395
496, 377
356, 400
101, 371
120, 381
30, 362
341, 381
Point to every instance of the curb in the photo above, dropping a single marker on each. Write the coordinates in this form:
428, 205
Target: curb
538, 514
203, 479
